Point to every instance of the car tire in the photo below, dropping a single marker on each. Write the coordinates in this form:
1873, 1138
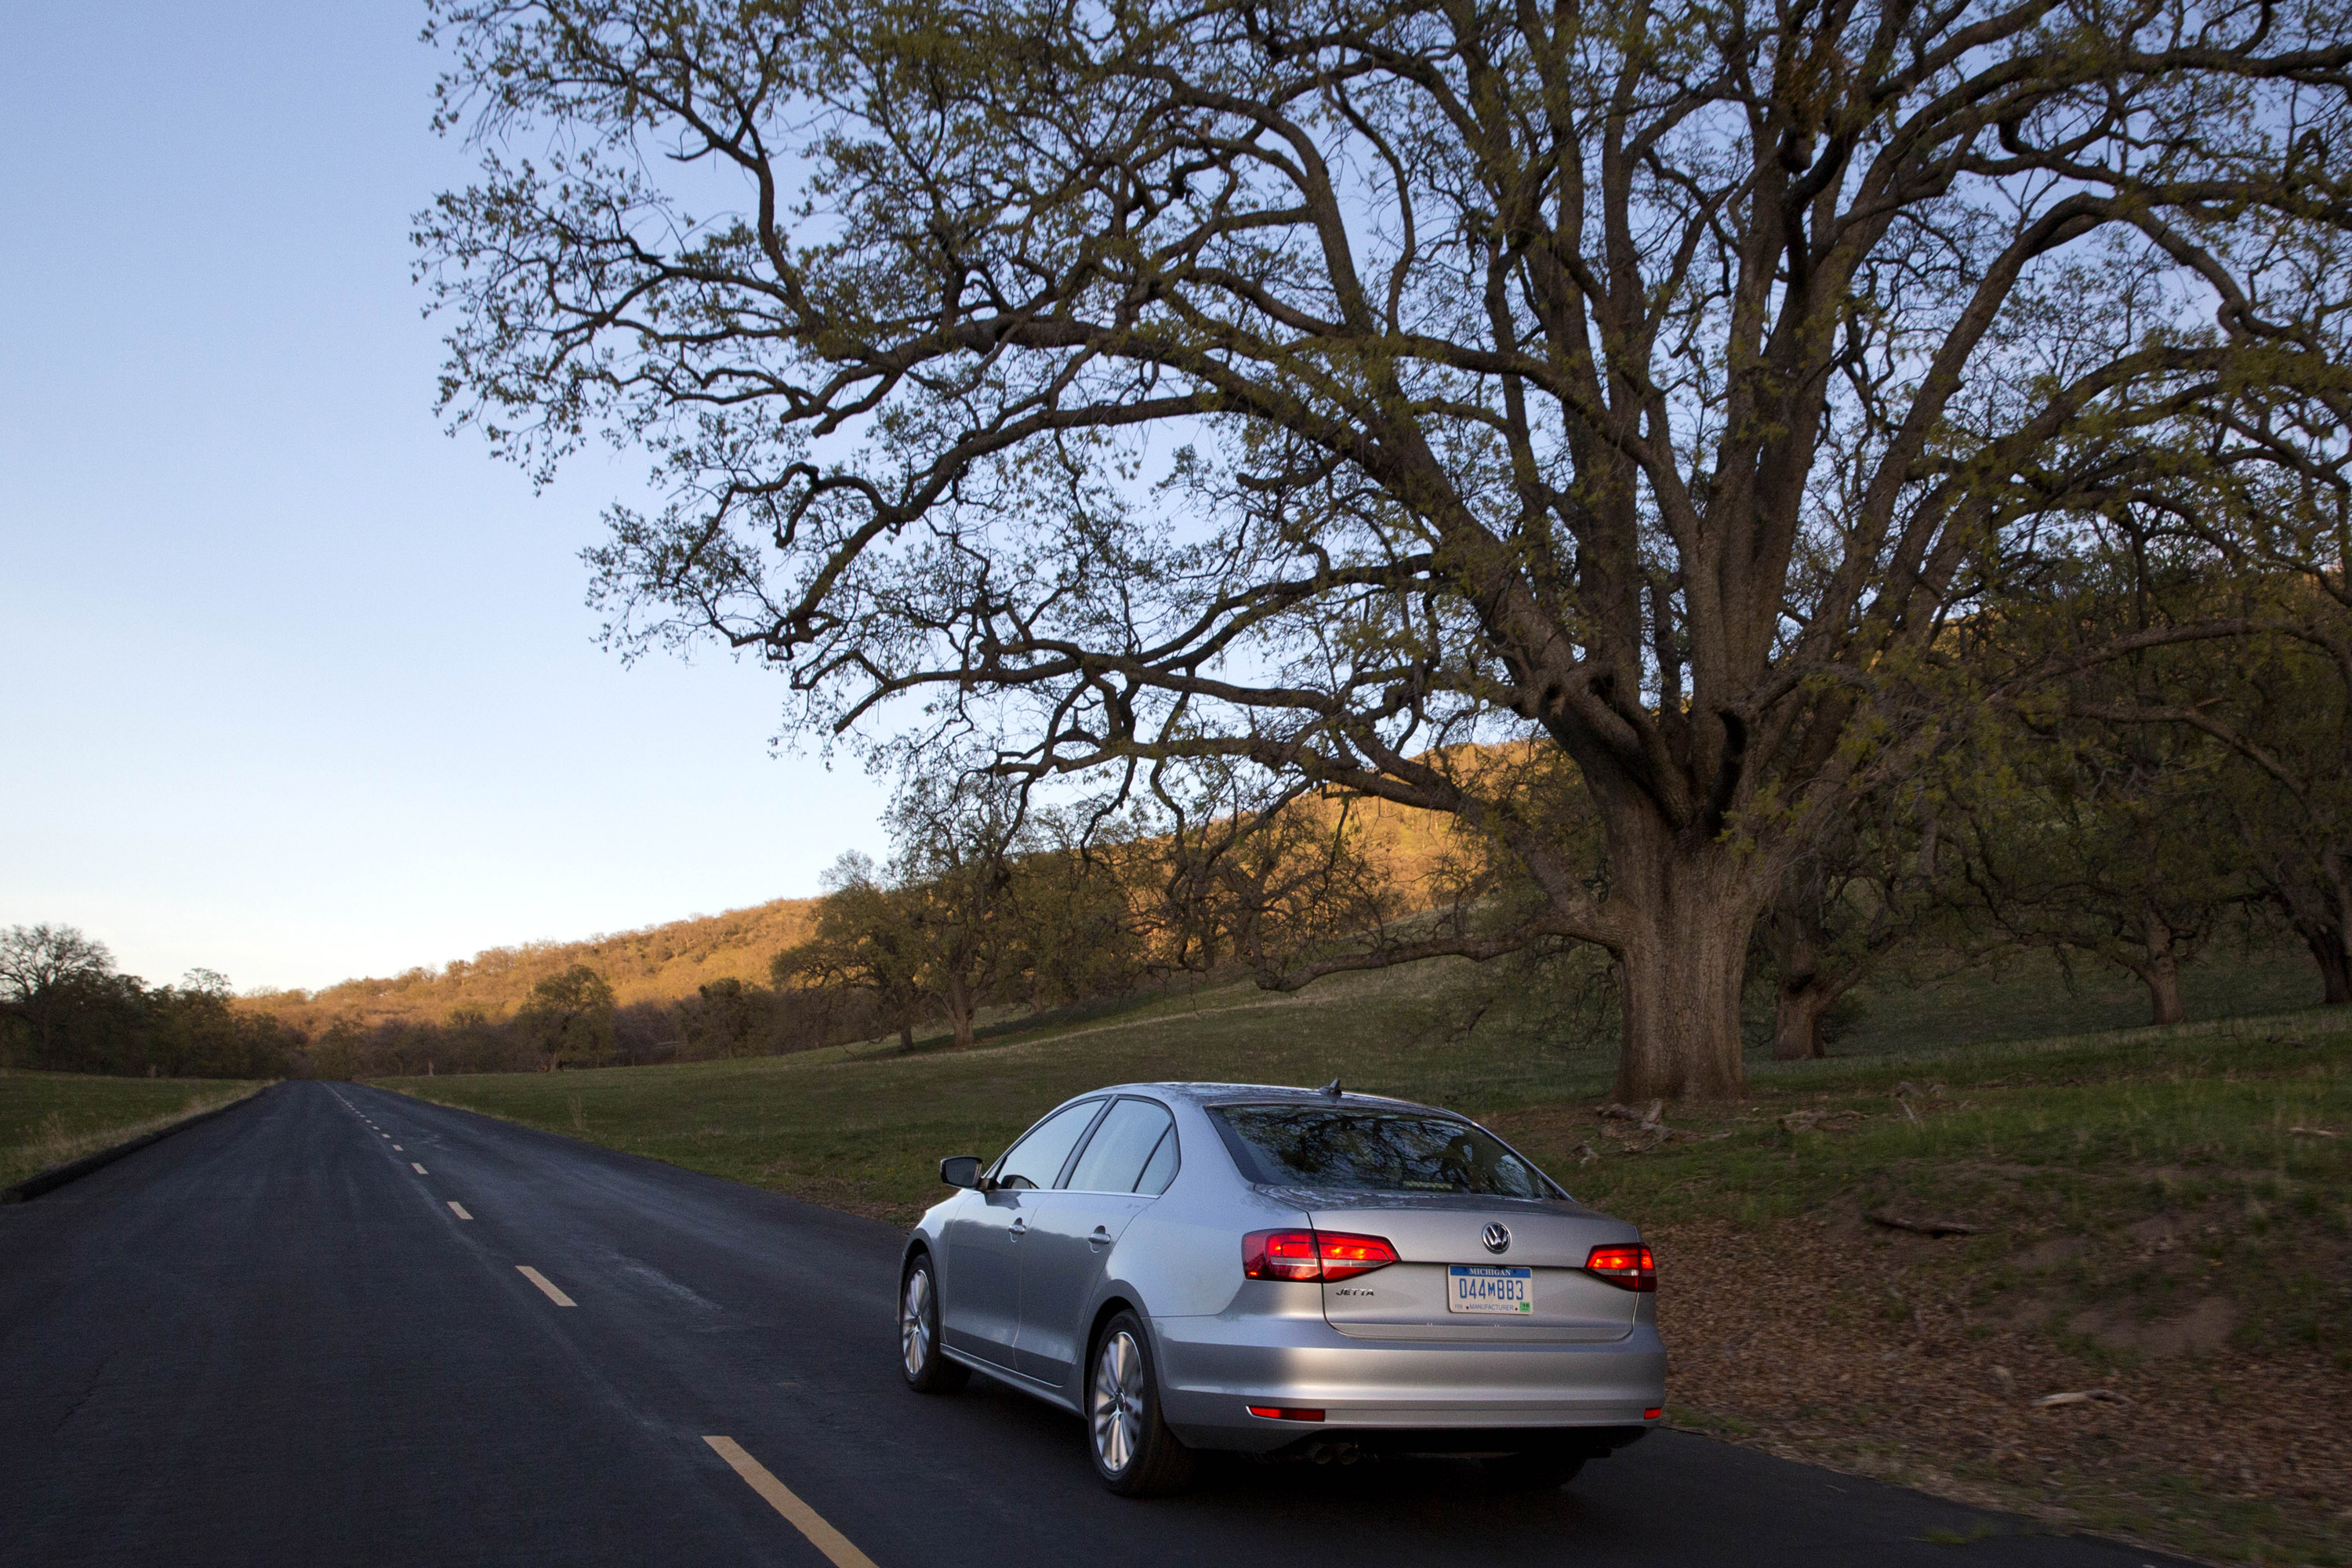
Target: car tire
1133, 1451
1533, 1470
925, 1365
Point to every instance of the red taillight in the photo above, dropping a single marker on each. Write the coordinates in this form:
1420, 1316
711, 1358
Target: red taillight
1283, 1413
1632, 1267
1345, 1257
1654, 1413
1280, 1254
1312, 1254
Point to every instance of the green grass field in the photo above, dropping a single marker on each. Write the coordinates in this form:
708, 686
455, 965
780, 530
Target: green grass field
2154, 1210
863, 1126
49, 1118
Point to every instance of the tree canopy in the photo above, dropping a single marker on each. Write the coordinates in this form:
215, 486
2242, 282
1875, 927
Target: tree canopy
1312, 385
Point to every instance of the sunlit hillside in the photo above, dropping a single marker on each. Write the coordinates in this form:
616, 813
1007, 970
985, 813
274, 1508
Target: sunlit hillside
664, 962
655, 963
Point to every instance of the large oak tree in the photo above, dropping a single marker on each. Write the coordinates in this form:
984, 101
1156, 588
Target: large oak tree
1312, 385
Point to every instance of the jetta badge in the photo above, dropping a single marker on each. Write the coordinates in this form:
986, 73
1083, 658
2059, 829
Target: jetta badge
1497, 1238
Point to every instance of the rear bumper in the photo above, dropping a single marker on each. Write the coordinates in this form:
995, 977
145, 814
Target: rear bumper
1211, 1369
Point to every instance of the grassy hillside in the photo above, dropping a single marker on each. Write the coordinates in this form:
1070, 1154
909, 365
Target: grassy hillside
2159, 1214
659, 962
49, 1118
664, 962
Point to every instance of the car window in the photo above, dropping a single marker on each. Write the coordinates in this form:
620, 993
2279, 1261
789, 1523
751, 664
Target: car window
1160, 1169
1037, 1159
1120, 1148
1374, 1151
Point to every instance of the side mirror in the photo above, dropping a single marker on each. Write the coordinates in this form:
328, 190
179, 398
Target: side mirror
961, 1170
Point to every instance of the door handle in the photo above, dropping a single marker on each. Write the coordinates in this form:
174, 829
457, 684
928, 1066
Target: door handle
1019, 1228
1101, 1238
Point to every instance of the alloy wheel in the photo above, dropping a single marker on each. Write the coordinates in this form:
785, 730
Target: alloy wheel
915, 1321
1117, 1413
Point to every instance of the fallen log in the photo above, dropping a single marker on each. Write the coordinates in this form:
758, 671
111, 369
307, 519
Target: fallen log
1927, 1227
2086, 1397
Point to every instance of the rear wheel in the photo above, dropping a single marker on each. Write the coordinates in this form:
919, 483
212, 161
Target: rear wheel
1535, 1470
928, 1369
1134, 1452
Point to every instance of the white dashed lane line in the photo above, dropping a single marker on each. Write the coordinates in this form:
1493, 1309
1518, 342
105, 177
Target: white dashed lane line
398, 1150
420, 1170
835, 1546
536, 1277
459, 1209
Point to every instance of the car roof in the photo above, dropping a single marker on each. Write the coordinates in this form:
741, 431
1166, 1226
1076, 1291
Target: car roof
1207, 1094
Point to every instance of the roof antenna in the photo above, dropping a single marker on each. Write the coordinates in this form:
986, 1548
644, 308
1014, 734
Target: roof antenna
1331, 1088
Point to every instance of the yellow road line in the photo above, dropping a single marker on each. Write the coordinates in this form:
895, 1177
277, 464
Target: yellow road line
420, 1170
459, 1209
807, 1520
536, 1277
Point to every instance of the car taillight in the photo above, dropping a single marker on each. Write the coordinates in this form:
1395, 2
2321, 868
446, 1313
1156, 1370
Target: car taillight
1631, 1268
1345, 1257
1280, 1254
1312, 1254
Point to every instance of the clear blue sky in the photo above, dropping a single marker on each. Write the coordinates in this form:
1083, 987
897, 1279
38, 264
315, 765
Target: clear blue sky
292, 685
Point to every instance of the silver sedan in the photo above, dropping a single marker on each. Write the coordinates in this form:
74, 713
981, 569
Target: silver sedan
1192, 1265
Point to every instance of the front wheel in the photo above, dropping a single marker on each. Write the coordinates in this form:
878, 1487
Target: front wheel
1134, 1452
928, 1369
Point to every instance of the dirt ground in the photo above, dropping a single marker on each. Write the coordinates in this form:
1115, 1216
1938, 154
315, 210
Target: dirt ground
1832, 1340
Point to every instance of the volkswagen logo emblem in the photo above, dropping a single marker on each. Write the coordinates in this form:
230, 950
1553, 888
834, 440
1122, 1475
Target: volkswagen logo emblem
1497, 1238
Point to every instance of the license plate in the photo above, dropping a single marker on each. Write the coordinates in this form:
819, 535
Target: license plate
1476, 1288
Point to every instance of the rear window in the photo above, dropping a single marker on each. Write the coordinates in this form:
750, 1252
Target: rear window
1124, 1150
1374, 1151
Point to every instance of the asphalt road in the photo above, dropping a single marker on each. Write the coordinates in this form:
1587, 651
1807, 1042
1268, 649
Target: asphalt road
273, 1339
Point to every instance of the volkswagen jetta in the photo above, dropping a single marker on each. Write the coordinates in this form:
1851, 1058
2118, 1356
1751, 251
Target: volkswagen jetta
1192, 1265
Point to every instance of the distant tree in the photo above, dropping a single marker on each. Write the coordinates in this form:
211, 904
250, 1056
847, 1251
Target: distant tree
2278, 701
2107, 848
958, 866
1279, 881
647, 1031
1079, 892
476, 1042
2209, 625
728, 1018
569, 1018
2290, 729
866, 939
1881, 889
340, 1051
44, 969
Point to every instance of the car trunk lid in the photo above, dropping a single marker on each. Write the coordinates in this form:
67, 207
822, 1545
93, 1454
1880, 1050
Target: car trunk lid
1413, 1298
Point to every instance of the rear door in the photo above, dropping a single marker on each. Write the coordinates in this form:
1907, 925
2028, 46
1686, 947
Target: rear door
1073, 1230
1534, 1287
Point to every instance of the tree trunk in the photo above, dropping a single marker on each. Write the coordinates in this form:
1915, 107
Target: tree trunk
960, 1009
907, 1037
2327, 950
1800, 1001
2161, 975
1689, 911
2322, 916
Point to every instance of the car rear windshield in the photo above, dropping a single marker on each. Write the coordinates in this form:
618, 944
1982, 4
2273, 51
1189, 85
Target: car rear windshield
1374, 1151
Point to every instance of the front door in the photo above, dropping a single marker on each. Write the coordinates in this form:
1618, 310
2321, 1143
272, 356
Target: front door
984, 1239
980, 1281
